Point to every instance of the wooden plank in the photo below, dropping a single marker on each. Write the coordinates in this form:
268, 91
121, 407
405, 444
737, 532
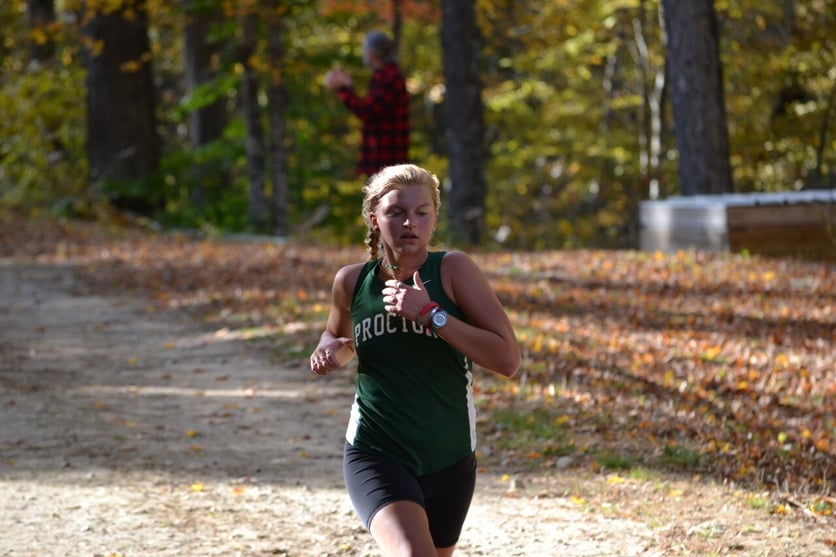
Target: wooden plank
780, 215
805, 230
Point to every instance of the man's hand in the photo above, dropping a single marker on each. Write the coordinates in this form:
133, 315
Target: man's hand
337, 78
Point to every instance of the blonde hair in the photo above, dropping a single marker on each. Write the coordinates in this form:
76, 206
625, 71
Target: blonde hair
391, 178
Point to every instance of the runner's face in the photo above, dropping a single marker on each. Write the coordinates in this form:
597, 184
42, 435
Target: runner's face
406, 218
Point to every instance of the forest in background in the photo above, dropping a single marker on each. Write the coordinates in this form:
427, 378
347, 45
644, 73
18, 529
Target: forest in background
578, 123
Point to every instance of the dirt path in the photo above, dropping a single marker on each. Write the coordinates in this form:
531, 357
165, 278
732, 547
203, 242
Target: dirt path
129, 432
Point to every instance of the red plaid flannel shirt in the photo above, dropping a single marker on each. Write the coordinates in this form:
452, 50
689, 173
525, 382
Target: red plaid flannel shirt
384, 112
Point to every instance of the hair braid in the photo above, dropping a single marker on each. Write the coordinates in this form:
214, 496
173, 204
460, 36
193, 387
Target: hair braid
373, 242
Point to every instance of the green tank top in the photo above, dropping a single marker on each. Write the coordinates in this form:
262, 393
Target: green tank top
413, 401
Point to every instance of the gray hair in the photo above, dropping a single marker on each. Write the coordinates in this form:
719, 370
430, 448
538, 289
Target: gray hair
381, 46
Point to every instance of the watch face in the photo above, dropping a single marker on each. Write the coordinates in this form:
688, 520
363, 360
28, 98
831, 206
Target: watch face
439, 319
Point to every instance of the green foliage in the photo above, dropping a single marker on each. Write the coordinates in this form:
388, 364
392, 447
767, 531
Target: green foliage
535, 428
758, 501
615, 461
779, 78
561, 141
42, 161
680, 457
566, 91
206, 186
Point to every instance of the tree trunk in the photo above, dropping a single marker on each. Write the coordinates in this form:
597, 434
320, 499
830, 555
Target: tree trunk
41, 15
122, 141
653, 92
696, 83
397, 23
206, 123
277, 100
259, 210
460, 44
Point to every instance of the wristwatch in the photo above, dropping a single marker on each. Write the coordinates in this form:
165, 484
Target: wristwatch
438, 318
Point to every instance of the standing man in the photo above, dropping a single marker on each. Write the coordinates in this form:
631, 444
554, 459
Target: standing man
384, 111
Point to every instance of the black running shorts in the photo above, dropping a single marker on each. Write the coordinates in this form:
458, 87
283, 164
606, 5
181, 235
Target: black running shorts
374, 481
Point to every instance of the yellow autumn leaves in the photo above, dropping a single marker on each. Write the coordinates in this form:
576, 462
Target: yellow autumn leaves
200, 487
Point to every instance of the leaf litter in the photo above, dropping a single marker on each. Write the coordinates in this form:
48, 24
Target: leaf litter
650, 381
